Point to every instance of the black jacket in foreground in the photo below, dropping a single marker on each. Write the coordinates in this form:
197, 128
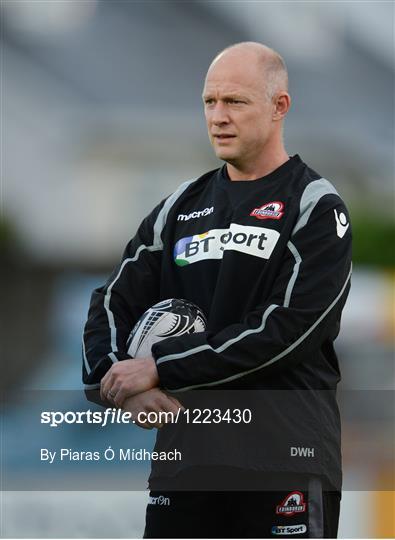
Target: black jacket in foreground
269, 263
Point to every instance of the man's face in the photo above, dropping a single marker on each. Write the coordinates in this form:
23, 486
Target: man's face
237, 109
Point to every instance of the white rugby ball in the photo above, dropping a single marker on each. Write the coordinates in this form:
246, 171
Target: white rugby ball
169, 318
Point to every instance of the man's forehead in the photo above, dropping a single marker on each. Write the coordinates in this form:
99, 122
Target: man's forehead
224, 87
235, 75
231, 86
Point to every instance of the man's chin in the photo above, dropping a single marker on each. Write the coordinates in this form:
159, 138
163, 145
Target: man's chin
225, 155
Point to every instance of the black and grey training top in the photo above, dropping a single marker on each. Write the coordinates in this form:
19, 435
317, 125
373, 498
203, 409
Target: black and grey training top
269, 263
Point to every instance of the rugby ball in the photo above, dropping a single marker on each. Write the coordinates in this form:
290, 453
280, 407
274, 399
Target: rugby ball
169, 318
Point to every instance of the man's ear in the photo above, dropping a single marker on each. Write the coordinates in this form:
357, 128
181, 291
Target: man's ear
282, 104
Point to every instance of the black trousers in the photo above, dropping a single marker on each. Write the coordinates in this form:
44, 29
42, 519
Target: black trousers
304, 511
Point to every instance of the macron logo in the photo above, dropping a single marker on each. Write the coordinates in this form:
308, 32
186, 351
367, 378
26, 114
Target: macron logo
161, 500
195, 215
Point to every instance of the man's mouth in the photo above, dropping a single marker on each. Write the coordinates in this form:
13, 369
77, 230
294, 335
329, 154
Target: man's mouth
223, 136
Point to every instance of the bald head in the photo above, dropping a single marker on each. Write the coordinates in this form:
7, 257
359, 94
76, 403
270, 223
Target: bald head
260, 58
245, 103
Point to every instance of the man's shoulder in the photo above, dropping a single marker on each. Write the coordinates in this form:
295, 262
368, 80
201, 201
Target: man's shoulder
188, 188
169, 204
196, 181
313, 186
317, 196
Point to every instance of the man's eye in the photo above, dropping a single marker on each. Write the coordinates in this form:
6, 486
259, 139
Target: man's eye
208, 101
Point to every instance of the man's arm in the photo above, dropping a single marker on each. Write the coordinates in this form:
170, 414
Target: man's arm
289, 327
130, 290
115, 307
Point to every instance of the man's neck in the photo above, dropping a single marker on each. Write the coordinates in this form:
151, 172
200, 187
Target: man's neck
266, 165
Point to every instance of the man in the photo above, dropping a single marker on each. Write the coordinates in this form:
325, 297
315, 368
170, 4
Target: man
269, 263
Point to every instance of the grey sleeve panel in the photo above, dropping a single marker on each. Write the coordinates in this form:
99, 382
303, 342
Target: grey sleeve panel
162, 216
309, 199
295, 272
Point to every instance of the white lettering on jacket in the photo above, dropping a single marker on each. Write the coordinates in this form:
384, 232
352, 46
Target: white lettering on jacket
255, 241
197, 214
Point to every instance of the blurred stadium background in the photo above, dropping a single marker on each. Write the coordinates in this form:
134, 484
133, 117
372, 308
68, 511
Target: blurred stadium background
101, 118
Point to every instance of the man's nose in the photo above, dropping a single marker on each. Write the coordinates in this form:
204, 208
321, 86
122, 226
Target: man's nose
219, 114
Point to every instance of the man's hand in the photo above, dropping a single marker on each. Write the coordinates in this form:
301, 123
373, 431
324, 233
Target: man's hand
151, 401
127, 378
